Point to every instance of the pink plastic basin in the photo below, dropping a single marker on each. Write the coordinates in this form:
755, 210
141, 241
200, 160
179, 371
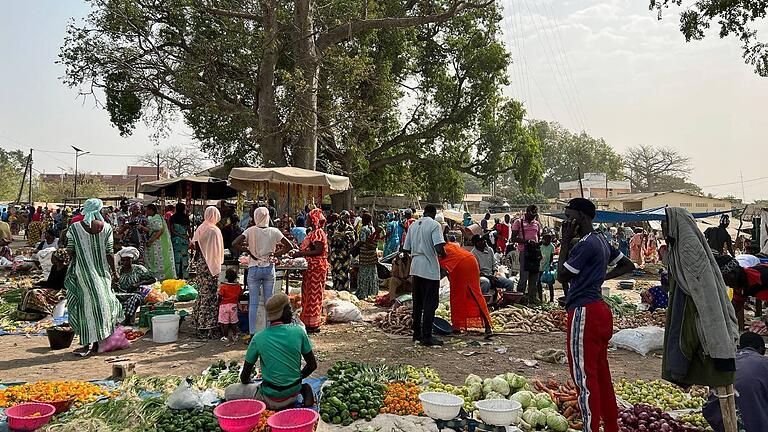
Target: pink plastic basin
239, 415
29, 416
293, 420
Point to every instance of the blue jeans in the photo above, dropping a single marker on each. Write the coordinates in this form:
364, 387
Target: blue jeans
501, 282
258, 277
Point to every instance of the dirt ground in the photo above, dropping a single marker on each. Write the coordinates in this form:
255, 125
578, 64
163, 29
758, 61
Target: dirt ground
28, 358
24, 358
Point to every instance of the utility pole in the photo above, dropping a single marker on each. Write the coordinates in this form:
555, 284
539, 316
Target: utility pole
743, 194
24, 177
78, 153
136, 187
158, 166
581, 185
606, 185
30, 176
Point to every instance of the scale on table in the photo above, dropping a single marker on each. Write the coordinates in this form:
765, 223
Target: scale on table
447, 412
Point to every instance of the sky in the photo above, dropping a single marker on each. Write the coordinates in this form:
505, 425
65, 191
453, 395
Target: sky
609, 68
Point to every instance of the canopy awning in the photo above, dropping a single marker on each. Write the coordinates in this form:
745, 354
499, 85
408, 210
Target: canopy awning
654, 214
201, 188
243, 179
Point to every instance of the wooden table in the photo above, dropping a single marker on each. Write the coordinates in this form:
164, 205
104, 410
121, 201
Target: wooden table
287, 270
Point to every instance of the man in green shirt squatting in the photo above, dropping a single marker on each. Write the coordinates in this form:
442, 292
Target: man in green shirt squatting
280, 348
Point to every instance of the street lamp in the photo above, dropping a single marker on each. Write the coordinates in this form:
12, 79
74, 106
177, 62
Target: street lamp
78, 153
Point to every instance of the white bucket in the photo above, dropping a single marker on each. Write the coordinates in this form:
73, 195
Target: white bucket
606, 291
165, 328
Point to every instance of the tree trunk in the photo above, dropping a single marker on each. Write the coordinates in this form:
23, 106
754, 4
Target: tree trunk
271, 143
304, 155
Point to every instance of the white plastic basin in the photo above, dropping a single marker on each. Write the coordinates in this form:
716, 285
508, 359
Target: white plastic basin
499, 412
441, 406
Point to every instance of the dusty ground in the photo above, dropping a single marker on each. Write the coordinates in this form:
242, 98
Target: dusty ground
29, 358
24, 358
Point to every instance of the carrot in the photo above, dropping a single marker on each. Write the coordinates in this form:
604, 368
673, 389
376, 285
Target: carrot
569, 398
568, 412
577, 425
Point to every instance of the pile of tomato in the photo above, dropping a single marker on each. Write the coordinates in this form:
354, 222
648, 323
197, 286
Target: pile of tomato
133, 335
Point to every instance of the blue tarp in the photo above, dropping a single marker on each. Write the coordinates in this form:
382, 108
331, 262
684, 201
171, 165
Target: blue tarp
655, 214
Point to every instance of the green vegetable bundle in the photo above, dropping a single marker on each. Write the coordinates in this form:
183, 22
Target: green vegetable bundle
187, 420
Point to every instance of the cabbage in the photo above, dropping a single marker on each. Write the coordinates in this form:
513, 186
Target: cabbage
487, 388
494, 395
542, 400
475, 391
472, 379
499, 385
535, 417
528, 417
486, 382
556, 422
524, 397
515, 381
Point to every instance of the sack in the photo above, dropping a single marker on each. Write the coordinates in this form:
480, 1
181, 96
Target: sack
343, 311
641, 340
185, 398
186, 293
116, 341
171, 286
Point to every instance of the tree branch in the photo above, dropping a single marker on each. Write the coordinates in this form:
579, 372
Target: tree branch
233, 14
353, 28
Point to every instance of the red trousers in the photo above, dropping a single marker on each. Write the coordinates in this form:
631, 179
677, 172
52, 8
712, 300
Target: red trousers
589, 330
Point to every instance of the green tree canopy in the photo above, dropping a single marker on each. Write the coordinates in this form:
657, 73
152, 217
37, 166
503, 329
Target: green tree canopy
564, 153
386, 92
741, 19
11, 170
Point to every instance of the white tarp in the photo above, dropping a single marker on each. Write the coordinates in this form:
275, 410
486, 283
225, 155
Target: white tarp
242, 179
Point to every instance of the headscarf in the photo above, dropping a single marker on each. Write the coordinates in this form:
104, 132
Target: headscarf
318, 218
135, 206
209, 239
261, 217
128, 251
92, 210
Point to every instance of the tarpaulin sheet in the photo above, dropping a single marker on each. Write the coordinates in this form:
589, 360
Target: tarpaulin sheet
655, 214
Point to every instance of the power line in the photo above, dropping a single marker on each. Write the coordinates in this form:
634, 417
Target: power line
735, 182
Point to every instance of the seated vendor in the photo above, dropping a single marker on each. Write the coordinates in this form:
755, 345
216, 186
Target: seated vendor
50, 240
751, 387
746, 282
280, 348
47, 293
489, 277
131, 277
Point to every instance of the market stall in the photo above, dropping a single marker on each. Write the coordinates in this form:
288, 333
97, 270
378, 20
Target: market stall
292, 188
189, 188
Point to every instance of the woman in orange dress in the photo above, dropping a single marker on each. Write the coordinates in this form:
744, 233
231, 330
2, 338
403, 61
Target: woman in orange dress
468, 308
314, 249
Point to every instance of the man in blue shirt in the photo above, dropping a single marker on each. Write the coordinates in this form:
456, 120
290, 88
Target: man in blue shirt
590, 323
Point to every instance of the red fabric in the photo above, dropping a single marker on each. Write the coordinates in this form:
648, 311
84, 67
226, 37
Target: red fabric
589, 330
313, 281
467, 302
755, 282
230, 293
502, 238
76, 219
406, 224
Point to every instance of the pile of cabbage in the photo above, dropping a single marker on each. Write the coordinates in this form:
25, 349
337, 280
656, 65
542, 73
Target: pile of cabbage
539, 411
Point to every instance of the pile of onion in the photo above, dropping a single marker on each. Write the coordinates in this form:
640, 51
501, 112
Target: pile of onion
645, 418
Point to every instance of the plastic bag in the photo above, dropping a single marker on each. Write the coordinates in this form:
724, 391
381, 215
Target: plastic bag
171, 286
343, 311
115, 341
641, 340
185, 398
60, 310
186, 293
548, 277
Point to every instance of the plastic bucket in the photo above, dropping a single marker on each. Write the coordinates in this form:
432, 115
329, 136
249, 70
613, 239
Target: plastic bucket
165, 328
59, 339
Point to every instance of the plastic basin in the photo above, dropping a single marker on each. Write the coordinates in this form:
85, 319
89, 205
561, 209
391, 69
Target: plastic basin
441, 326
499, 412
293, 420
59, 339
441, 406
165, 328
60, 405
29, 416
239, 415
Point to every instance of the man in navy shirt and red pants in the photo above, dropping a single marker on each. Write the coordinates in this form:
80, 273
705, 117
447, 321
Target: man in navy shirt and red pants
590, 322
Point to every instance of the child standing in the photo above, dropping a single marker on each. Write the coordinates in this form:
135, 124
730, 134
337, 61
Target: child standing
545, 271
229, 294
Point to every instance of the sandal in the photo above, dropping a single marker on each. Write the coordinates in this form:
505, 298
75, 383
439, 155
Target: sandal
82, 350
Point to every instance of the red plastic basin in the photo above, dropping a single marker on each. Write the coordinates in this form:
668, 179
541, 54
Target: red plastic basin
239, 415
29, 416
293, 420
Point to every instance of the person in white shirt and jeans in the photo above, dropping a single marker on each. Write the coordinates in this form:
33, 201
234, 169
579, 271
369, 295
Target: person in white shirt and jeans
424, 242
260, 241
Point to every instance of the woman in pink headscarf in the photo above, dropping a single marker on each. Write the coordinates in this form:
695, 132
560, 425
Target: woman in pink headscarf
207, 265
315, 249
